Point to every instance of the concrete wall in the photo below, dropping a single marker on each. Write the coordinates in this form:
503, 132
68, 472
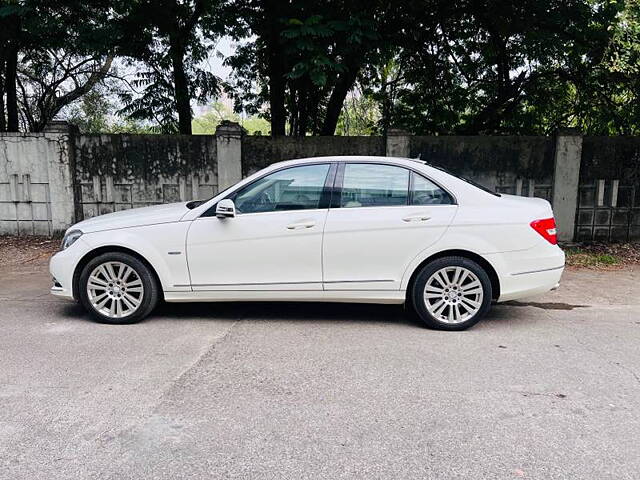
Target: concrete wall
507, 164
608, 200
261, 151
116, 172
50, 180
36, 193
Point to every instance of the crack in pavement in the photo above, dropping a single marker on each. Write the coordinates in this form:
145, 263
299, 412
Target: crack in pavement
206, 352
607, 360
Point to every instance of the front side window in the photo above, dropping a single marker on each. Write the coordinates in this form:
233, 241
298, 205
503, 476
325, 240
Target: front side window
370, 185
425, 192
296, 188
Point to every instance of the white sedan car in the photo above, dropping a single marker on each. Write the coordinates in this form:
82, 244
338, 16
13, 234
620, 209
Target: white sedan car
334, 229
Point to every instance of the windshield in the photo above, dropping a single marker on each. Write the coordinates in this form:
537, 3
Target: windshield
465, 179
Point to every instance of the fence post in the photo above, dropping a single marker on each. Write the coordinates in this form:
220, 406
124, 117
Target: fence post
229, 153
568, 155
398, 143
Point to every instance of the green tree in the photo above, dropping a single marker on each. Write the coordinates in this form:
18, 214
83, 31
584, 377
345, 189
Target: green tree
167, 37
306, 57
50, 80
219, 112
497, 66
95, 113
51, 53
360, 116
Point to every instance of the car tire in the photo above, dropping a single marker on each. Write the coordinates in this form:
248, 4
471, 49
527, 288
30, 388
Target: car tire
451, 293
118, 288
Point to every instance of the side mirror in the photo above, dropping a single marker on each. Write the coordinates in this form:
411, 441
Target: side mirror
226, 209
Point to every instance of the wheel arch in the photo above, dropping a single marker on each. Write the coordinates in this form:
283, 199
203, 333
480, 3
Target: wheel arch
479, 259
108, 249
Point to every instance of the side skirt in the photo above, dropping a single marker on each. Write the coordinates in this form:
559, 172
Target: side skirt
347, 296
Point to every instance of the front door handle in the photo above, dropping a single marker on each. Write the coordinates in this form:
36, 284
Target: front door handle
301, 225
416, 218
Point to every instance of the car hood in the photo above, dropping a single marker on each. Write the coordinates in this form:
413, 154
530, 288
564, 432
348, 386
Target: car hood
135, 217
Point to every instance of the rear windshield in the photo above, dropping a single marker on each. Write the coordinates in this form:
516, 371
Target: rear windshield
465, 179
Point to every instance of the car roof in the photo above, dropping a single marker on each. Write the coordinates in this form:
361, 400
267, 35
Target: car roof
410, 162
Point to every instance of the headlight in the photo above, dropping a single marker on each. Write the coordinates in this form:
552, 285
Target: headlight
70, 238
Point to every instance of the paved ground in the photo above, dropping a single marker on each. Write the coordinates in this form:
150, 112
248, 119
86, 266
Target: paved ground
543, 389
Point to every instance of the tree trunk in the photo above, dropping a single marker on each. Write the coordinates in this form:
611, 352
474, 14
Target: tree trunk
293, 110
303, 109
276, 96
10, 89
49, 105
181, 86
275, 67
3, 124
336, 101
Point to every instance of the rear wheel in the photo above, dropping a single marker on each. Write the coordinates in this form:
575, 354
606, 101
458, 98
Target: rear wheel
117, 288
451, 293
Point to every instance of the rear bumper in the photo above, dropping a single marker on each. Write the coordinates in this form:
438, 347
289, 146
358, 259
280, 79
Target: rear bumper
531, 283
528, 272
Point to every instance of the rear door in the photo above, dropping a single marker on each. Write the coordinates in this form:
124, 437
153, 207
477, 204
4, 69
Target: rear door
382, 216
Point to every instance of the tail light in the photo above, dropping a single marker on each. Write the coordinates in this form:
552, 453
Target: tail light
546, 228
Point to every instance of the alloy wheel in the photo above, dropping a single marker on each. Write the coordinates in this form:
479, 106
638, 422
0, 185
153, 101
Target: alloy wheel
115, 289
453, 294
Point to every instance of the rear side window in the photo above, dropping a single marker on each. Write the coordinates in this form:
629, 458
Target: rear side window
370, 185
425, 192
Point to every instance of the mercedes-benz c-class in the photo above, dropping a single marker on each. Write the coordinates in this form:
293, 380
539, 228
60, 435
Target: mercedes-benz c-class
334, 229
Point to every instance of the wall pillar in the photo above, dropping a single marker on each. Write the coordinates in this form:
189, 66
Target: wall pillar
229, 152
398, 143
568, 155
59, 158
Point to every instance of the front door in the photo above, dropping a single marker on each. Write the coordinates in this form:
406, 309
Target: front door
273, 243
385, 216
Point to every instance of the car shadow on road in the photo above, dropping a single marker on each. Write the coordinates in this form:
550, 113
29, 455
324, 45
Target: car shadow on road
291, 312
286, 311
318, 312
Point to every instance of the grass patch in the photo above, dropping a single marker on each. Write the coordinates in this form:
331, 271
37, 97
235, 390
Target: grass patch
579, 257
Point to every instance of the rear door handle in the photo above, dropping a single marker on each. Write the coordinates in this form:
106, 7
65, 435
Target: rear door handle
301, 225
416, 218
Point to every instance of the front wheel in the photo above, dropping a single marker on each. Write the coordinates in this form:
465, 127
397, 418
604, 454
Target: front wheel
451, 293
117, 288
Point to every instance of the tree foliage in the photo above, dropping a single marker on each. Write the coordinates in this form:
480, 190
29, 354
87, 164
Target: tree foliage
522, 67
165, 40
326, 66
305, 59
219, 112
50, 80
51, 53
94, 114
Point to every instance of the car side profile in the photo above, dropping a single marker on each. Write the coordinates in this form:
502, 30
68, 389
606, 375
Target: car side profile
335, 229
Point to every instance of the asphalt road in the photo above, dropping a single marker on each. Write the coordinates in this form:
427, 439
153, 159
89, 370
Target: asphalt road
547, 389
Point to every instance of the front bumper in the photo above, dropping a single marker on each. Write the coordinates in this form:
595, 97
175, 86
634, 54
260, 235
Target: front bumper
62, 267
57, 289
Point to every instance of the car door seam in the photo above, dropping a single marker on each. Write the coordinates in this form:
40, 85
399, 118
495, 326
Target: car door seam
186, 256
